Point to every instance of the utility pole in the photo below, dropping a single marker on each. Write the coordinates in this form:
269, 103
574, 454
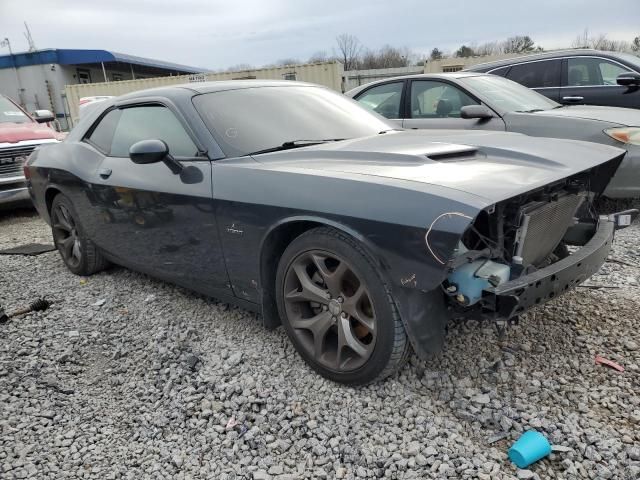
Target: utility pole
7, 43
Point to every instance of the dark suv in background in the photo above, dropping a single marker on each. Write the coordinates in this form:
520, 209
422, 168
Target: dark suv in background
583, 76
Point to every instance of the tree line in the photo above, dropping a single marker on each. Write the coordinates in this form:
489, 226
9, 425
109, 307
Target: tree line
355, 56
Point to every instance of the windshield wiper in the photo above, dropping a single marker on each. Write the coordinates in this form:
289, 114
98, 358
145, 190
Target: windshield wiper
390, 130
533, 110
296, 144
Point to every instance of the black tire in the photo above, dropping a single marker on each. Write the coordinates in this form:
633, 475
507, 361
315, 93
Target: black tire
65, 228
390, 348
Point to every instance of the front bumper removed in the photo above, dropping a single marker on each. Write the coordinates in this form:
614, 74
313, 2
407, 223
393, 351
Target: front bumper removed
512, 298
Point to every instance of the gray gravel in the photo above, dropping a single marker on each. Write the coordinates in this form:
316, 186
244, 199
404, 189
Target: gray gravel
128, 377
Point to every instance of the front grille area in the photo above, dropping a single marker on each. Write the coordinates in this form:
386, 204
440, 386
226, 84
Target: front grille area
542, 226
12, 158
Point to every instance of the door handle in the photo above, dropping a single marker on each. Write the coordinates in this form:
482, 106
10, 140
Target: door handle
104, 173
573, 99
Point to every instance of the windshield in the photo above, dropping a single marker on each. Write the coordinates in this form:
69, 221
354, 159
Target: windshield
507, 95
253, 119
633, 60
9, 113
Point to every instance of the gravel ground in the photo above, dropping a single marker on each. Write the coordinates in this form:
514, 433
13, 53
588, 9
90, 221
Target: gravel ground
128, 377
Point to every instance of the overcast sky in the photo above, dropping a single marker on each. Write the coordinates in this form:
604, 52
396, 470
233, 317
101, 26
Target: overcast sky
216, 34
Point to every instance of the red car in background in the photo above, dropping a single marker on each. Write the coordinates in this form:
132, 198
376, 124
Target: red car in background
20, 134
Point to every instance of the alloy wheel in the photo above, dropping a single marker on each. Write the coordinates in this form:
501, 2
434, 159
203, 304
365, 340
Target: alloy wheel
65, 234
329, 308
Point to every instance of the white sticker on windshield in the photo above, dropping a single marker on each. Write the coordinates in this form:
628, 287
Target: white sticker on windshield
15, 113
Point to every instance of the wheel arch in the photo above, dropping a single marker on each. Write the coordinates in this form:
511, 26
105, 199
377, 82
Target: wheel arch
277, 239
49, 195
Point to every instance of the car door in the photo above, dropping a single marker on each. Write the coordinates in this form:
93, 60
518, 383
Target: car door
147, 217
543, 76
384, 99
437, 104
592, 81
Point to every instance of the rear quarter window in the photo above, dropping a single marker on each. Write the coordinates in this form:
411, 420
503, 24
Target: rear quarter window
102, 134
542, 74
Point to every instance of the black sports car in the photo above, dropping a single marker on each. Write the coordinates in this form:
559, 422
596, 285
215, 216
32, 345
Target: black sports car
294, 201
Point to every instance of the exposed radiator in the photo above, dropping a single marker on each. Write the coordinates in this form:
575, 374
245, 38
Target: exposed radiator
542, 226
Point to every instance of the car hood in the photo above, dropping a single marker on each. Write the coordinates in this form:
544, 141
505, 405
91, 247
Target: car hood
19, 132
629, 117
491, 165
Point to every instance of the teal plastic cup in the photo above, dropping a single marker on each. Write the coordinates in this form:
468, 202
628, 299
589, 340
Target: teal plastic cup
529, 448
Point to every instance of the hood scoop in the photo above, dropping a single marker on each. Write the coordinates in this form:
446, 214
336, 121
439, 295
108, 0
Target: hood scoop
450, 151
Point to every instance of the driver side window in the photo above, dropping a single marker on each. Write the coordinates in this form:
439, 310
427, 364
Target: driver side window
151, 122
433, 99
383, 99
588, 71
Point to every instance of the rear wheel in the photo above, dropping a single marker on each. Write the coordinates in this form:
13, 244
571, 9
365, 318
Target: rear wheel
79, 254
337, 310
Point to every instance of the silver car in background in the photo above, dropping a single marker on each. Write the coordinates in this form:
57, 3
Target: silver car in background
469, 100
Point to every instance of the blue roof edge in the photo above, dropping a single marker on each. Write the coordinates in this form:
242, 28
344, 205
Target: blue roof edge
79, 57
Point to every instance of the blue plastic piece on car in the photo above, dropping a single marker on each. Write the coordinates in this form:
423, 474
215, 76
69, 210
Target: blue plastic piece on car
471, 278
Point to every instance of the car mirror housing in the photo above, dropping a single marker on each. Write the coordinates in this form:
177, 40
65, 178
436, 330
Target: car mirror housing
479, 112
628, 79
148, 151
43, 116
153, 151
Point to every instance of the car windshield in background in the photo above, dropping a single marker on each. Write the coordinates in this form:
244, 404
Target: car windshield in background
630, 58
510, 96
9, 113
249, 120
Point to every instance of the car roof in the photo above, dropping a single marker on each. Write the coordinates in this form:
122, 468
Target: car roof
424, 76
215, 86
575, 52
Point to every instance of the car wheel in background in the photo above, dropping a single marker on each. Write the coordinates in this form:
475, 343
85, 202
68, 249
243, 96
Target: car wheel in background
337, 310
79, 254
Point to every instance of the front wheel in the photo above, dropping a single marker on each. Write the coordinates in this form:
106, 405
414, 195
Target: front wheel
79, 254
337, 310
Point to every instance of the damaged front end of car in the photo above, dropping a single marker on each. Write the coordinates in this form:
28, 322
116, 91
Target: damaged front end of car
527, 250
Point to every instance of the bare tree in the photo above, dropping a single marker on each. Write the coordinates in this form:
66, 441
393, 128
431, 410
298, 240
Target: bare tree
349, 49
582, 40
240, 66
287, 61
635, 45
319, 56
600, 42
488, 48
518, 44
386, 57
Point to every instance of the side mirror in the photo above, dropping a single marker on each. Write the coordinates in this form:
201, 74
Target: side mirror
153, 151
628, 79
479, 112
148, 151
43, 116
